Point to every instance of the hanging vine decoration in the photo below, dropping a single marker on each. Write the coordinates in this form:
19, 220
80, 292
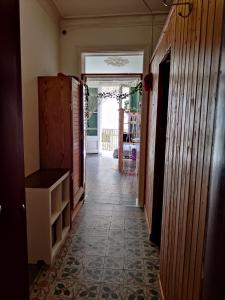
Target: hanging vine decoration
86, 97
91, 107
121, 96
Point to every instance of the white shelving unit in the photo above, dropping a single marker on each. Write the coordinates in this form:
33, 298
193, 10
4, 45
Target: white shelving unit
48, 213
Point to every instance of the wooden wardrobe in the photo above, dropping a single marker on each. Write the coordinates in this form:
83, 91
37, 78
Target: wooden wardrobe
61, 129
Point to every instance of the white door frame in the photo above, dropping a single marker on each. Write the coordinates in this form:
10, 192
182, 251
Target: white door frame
144, 114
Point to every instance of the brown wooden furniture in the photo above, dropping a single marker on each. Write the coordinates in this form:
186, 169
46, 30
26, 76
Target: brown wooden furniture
61, 129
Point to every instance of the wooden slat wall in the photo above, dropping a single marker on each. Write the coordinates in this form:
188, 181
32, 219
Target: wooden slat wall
195, 50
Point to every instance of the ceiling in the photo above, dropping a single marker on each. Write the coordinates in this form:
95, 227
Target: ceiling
97, 8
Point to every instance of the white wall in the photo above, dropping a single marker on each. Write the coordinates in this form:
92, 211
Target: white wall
107, 34
39, 56
45, 51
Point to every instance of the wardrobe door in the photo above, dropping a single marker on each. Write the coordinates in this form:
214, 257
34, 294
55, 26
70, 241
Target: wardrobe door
13, 246
55, 122
78, 149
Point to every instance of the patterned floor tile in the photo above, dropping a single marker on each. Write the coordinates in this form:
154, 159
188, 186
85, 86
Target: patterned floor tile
96, 262
114, 276
86, 290
92, 274
116, 242
154, 293
134, 264
102, 224
135, 278
116, 251
151, 254
134, 243
114, 263
71, 268
98, 232
133, 226
138, 234
137, 293
111, 292
76, 252
118, 219
95, 251
151, 265
117, 233
134, 252
63, 289
117, 224
107, 254
151, 278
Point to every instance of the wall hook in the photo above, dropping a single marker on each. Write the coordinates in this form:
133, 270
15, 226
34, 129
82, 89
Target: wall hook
190, 7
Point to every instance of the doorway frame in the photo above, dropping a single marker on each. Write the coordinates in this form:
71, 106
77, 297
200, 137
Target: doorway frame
157, 207
147, 51
143, 139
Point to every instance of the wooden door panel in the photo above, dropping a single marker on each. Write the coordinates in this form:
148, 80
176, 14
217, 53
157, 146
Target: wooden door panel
77, 140
54, 120
13, 248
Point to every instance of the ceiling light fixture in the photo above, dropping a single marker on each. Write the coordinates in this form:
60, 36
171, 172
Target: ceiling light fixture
116, 61
189, 4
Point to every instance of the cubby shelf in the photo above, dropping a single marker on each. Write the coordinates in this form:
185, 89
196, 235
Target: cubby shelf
48, 213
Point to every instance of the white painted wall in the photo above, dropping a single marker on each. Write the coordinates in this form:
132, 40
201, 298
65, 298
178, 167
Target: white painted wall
39, 56
107, 34
45, 51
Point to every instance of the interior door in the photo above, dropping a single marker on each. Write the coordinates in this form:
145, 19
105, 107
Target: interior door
13, 248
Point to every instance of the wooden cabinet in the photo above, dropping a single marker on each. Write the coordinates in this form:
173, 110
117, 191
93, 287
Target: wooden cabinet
48, 213
61, 129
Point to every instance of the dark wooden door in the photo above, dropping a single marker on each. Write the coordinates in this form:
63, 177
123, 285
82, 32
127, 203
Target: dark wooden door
13, 249
160, 148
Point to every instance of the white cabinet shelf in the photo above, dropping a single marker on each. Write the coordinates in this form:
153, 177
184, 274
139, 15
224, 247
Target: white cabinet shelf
48, 213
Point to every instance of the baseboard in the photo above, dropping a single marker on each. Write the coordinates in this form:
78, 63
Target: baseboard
146, 218
160, 289
76, 210
78, 196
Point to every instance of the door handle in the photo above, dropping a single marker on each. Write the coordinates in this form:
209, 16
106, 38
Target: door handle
0, 209
23, 208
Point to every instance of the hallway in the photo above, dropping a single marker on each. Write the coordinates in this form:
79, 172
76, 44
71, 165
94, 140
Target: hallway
107, 254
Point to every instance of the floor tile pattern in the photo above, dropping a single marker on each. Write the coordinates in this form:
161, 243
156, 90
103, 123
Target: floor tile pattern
100, 262
107, 255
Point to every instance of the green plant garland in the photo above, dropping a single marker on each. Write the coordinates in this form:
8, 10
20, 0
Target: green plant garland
112, 95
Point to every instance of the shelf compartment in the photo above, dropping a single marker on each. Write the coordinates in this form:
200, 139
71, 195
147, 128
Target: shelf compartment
66, 217
65, 191
48, 215
55, 202
56, 232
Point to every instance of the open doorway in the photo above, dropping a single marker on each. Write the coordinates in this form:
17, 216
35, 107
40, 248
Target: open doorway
113, 121
160, 148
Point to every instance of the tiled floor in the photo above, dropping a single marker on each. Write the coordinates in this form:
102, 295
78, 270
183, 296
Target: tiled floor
106, 256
